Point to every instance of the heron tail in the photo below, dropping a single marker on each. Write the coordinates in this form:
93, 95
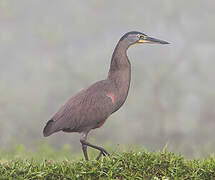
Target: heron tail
49, 128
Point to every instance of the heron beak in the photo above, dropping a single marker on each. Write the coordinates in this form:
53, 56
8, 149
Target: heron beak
151, 40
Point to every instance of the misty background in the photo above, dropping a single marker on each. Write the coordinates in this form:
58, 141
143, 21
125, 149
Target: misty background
49, 50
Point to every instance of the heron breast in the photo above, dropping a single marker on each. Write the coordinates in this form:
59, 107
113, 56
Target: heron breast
100, 124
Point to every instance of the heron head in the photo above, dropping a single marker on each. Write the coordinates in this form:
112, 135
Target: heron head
135, 37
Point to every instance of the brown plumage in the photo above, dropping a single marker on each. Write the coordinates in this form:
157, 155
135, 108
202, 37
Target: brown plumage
90, 108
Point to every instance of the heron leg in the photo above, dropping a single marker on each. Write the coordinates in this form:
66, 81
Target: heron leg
84, 147
85, 144
102, 150
100, 154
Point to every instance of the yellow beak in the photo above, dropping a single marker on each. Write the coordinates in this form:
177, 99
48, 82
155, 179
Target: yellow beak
151, 40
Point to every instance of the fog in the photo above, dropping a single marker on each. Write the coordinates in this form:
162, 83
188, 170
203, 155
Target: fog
49, 50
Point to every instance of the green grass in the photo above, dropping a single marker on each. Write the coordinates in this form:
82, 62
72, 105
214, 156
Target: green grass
128, 165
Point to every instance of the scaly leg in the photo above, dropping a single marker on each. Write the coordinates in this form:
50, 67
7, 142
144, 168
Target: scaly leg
84, 143
84, 147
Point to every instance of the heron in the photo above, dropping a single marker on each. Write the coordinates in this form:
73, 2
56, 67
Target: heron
91, 107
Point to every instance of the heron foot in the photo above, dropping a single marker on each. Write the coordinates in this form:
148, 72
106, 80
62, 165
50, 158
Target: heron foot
102, 152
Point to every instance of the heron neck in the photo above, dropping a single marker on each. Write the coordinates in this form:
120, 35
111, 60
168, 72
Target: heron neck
120, 73
119, 59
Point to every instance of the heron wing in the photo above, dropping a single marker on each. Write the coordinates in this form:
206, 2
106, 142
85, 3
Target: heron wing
86, 110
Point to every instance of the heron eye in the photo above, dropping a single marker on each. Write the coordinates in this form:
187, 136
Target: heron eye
139, 36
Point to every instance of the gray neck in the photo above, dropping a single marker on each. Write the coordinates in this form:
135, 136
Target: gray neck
119, 59
120, 73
